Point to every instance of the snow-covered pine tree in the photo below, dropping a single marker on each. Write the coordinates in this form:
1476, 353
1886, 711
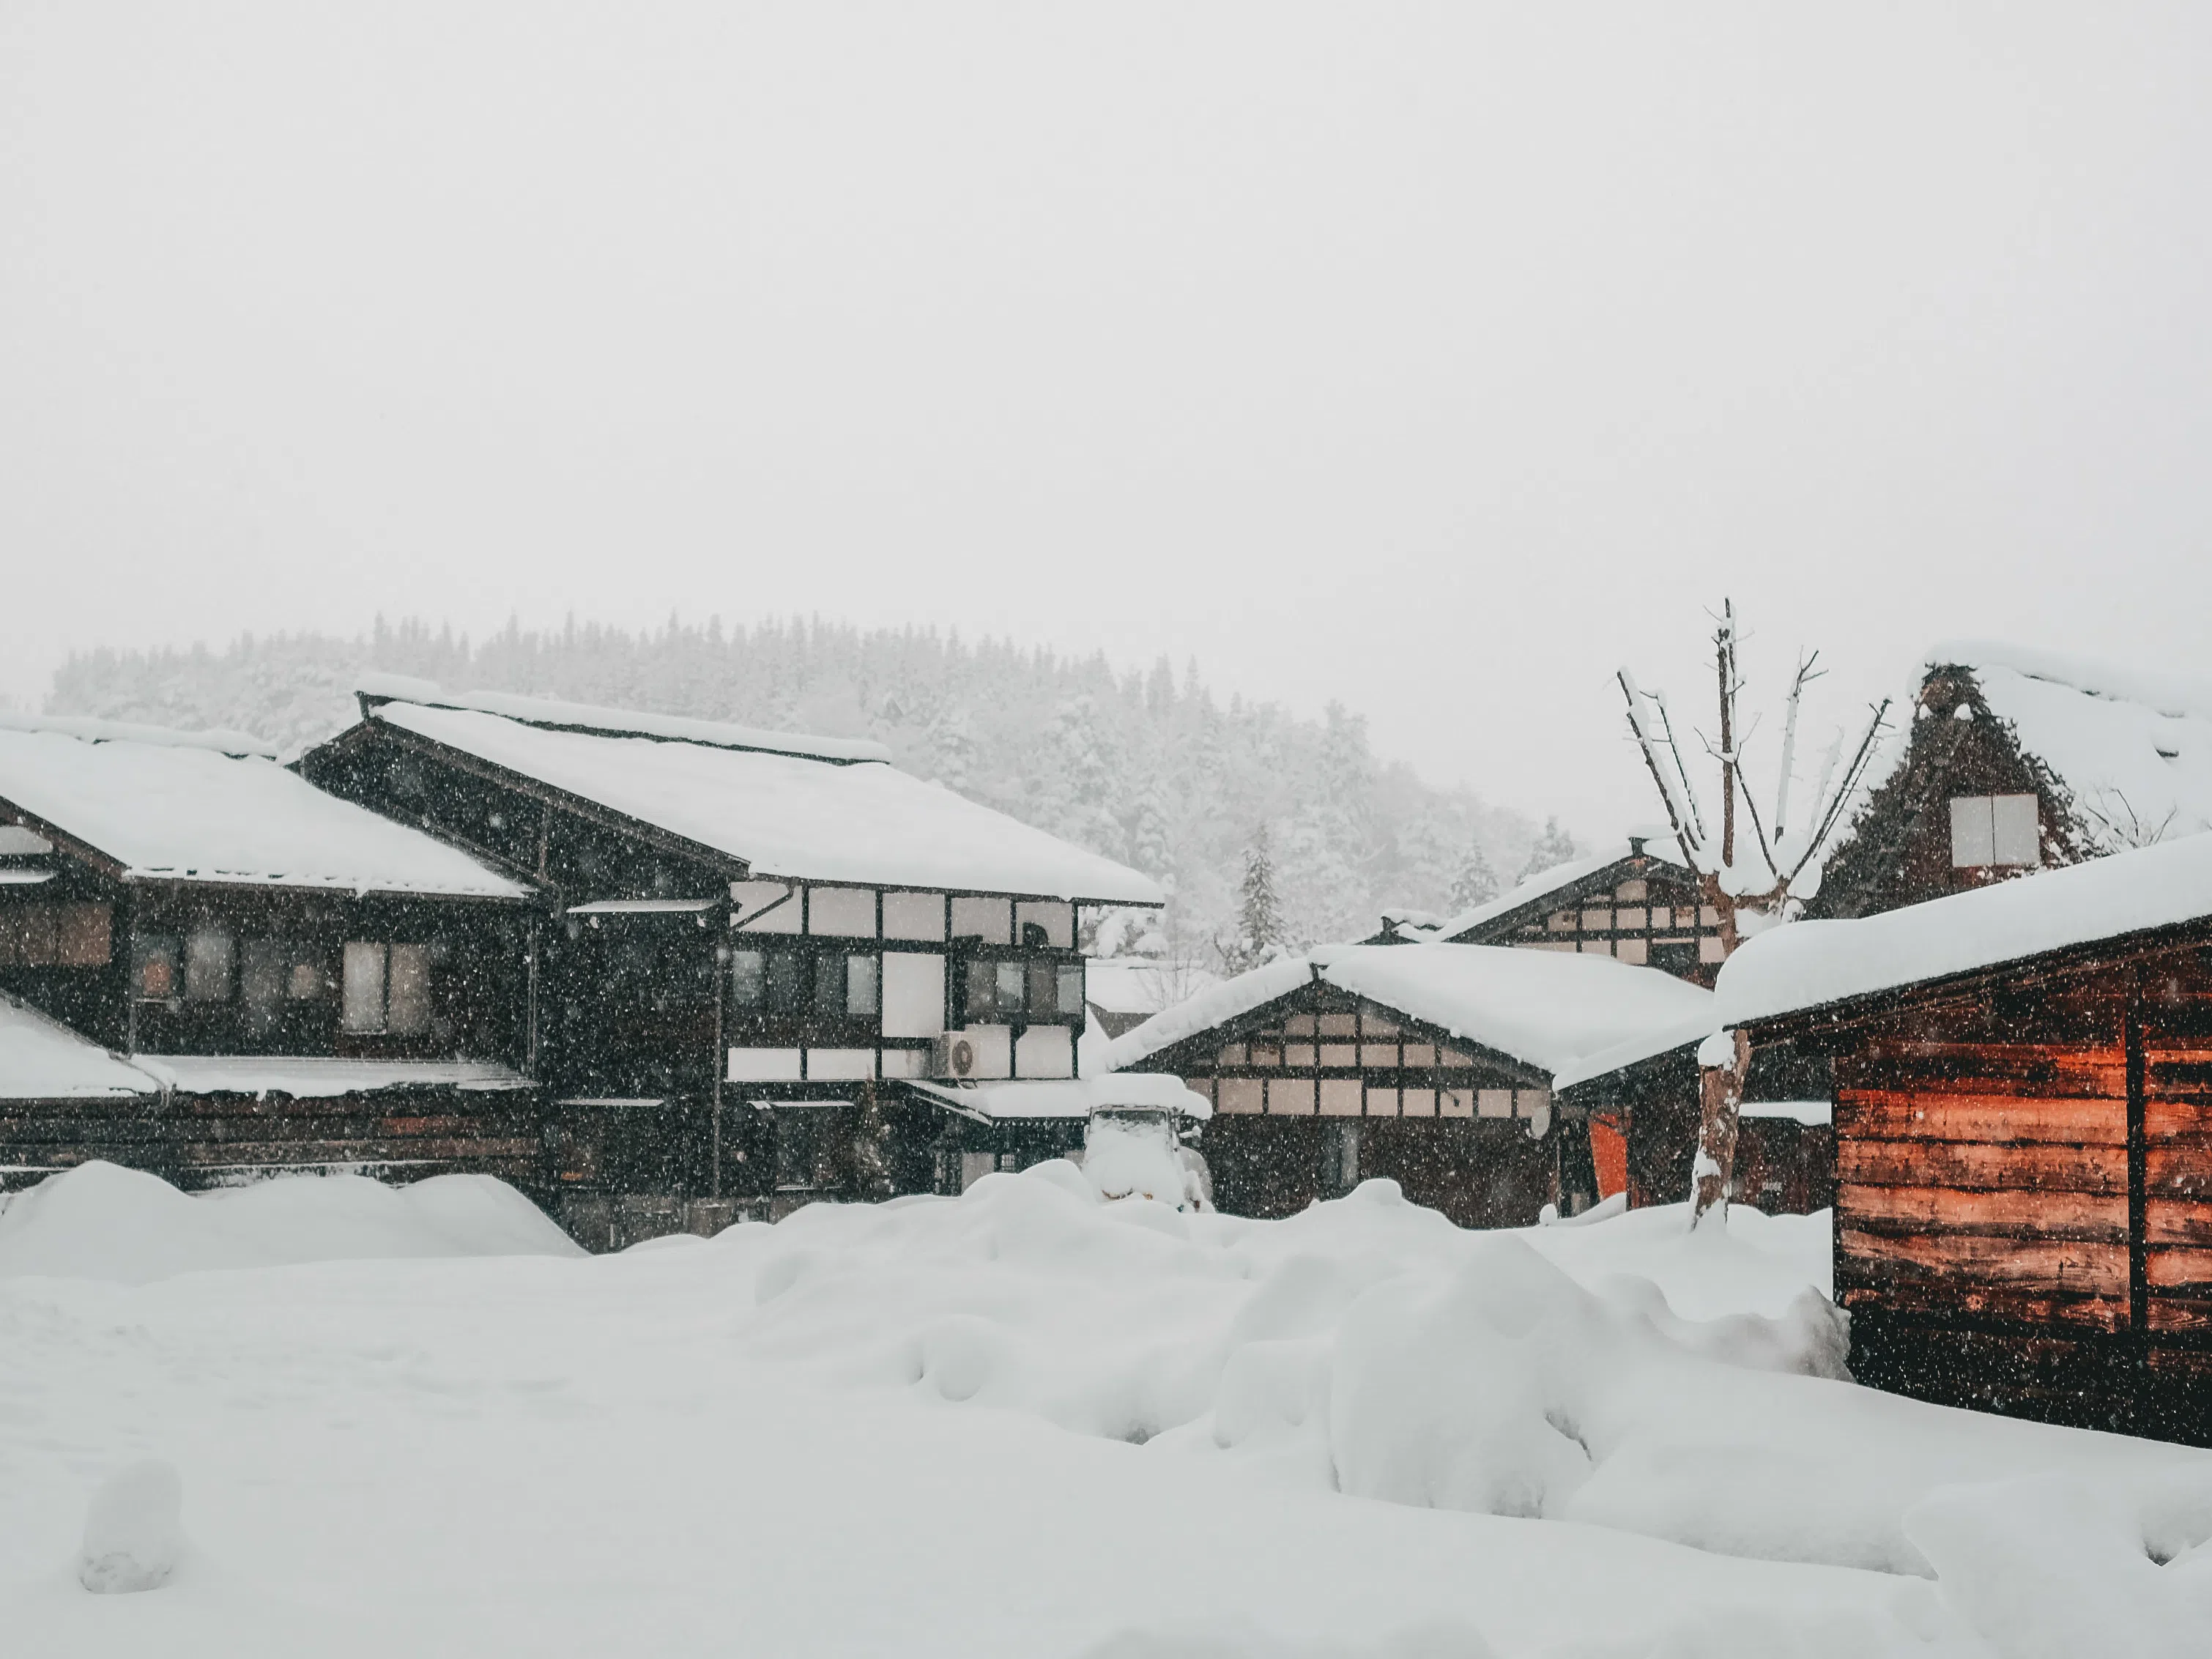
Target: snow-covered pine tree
1260, 911
1554, 846
1474, 882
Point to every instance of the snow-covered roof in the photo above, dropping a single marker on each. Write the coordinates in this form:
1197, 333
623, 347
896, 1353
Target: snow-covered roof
218, 741
1811, 964
41, 1059
620, 722
1634, 1051
1069, 1097
319, 1076
864, 822
1544, 1008
1538, 887
172, 808
2134, 746
1136, 985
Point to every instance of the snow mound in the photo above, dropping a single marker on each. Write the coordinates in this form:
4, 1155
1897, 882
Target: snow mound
1136, 1160
1432, 1641
134, 1531
101, 1221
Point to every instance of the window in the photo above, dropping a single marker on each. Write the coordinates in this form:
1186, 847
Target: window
863, 987
768, 981
407, 991
362, 988
207, 966
56, 935
1995, 830
385, 989
1070, 990
265, 968
154, 976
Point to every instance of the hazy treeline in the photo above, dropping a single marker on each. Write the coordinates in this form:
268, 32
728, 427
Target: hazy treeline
1150, 768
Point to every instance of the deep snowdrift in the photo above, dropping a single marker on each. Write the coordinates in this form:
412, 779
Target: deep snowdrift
101, 1221
1028, 1422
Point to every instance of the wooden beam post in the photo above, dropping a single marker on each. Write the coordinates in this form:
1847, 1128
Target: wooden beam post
2138, 1160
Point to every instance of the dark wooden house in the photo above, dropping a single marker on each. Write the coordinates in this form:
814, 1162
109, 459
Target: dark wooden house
2016, 760
759, 941
1634, 905
1646, 1093
2023, 1119
298, 983
1429, 1064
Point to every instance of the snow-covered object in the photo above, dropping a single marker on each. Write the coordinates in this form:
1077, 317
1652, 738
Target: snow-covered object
134, 1531
1139, 985
318, 1077
185, 810
101, 1221
2132, 746
1133, 1153
1069, 1097
43, 1059
1809, 965
786, 815
1546, 1008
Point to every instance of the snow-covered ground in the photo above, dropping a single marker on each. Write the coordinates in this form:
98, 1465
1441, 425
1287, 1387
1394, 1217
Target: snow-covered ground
1019, 1423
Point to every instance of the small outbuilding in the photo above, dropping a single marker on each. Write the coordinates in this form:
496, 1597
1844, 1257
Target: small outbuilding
2023, 1123
1431, 1063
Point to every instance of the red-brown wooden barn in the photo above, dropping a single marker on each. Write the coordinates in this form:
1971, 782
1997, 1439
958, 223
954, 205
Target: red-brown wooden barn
2023, 1121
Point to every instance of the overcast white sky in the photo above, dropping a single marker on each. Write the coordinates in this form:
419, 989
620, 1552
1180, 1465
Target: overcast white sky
1432, 358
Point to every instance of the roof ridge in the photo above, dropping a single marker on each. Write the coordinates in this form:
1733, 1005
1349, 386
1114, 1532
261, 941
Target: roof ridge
555, 713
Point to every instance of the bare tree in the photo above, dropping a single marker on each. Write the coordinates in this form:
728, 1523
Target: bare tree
1757, 871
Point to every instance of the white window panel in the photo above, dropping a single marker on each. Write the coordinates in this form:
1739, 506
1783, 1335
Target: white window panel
765, 907
842, 912
1973, 833
913, 993
1631, 950
839, 1065
2016, 829
363, 987
1341, 1097
407, 1001
1055, 916
914, 915
1710, 948
1294, 1096
974, 1166
1240, 1095
992, 1046
1494, 1103
1418, 1103
906, 1062
765, 1066
207, 955
1382, 1103
1045, 1051
990, 919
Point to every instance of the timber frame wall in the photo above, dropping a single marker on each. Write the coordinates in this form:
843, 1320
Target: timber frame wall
1640, 908
1319, 1090
2024, 1188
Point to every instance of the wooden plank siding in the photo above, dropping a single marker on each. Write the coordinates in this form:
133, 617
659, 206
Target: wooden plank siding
2024, 1189
198, 1142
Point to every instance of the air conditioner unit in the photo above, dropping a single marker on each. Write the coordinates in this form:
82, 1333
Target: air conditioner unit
953, 1054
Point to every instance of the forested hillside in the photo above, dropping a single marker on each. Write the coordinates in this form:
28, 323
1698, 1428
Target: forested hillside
1153, 769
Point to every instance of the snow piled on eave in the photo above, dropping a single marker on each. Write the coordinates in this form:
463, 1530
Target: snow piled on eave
1544, 1008
189, 812
866, 823
1069, 1097
321, 1077
1811, 964
1539, 886
1212, 1007
41, 1059
1650, 1044
2133, 747
87, 729
622, 722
